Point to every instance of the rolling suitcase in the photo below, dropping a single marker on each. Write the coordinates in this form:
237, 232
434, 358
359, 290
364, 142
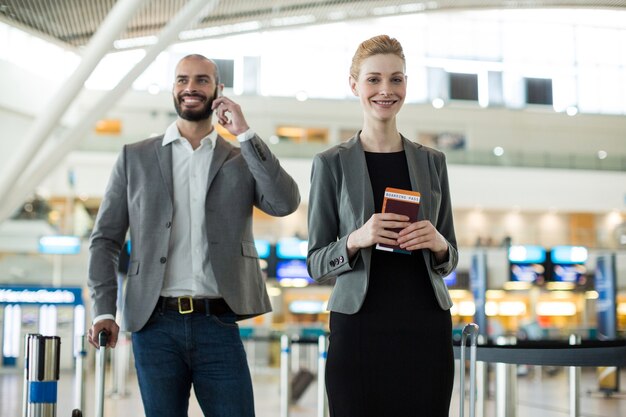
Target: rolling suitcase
471, 331
300, 383
100, 366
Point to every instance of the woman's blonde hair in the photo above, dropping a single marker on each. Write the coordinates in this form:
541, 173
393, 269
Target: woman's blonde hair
381, 44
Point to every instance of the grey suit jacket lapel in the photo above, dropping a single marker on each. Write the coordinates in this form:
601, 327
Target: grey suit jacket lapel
419, 171
220, 153
359, 187
356, 175
164, 155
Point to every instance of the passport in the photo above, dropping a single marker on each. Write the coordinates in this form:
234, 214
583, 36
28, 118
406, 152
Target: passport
403, 202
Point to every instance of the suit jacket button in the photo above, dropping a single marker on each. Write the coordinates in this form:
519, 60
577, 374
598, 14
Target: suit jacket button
341, 259
168, 225
332, 263
163, 259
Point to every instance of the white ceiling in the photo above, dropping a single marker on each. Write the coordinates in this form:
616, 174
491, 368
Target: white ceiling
74, 22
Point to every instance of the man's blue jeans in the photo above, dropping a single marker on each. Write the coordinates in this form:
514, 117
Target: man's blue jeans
175, 351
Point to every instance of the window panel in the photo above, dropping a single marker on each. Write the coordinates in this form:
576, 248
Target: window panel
539, 91
463, 86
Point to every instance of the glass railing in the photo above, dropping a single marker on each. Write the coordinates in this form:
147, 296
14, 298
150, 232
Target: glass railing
459, 157
487, 158
537, 160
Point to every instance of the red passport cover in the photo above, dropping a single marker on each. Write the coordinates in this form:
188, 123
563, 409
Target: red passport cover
403, 202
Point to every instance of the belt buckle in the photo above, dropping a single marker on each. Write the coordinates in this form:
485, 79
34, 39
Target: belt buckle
185, 304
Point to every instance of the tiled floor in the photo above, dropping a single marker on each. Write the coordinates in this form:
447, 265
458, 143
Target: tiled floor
538, 396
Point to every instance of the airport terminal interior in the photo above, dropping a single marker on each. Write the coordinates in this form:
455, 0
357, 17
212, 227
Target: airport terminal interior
527, 100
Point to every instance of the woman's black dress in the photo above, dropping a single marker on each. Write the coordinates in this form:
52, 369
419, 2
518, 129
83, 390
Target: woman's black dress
394, 357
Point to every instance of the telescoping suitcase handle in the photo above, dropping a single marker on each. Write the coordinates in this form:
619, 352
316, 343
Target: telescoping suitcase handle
471, 331
100, 363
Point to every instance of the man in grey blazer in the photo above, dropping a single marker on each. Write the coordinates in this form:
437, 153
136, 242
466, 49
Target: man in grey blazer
187, 198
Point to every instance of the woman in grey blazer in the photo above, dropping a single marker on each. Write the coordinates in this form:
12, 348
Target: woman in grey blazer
390, 350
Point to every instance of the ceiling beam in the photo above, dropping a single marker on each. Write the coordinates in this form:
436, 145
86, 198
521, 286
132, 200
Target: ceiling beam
42, 165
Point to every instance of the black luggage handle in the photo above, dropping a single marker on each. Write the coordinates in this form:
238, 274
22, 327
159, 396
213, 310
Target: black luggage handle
103, 338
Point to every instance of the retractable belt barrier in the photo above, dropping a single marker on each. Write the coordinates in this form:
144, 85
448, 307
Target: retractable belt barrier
573, 354
553, 353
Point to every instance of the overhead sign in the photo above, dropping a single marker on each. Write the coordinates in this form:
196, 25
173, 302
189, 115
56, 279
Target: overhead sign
70, 296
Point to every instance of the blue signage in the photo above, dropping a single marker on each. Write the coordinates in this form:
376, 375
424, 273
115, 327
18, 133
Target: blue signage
59, 245
68, 296
606, 302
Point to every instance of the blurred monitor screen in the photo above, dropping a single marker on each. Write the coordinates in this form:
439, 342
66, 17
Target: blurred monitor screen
450, 280
295, 268
569, 273
59, 245
568, 255
262, 248
307, 307
532, 273
291, 248
527, 254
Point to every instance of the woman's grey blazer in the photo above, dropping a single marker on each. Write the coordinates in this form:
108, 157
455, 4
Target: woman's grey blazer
341, 201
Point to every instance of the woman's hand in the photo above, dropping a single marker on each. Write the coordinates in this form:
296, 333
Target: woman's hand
377, 230
423, 235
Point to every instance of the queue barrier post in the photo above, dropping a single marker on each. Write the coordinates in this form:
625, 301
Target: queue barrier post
471, 331
322, 402
79, 376
42, 358
574, 382
120, 366
482, 388
285, 380
247, 338
482, 384
506, 384
26, 374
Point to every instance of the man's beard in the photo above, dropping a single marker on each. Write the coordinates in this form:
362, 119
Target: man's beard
195, 115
